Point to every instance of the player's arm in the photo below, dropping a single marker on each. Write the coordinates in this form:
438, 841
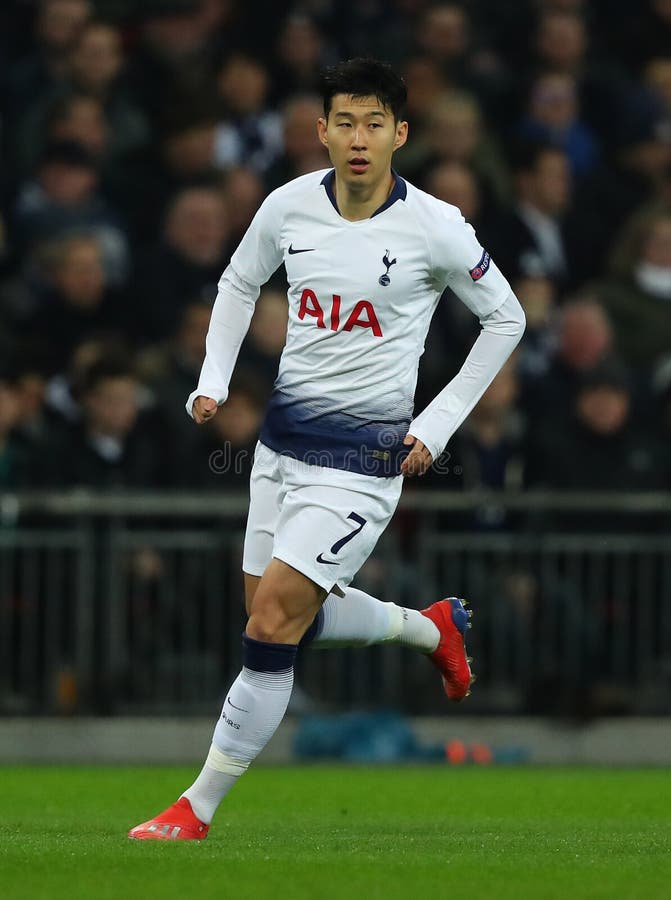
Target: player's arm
476, 280
256, 258
433, 428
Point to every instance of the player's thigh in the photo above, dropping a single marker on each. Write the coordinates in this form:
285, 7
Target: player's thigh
265, 485
251, 586
328, 530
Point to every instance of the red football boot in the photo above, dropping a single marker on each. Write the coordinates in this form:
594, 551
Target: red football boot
177, 823
449, 657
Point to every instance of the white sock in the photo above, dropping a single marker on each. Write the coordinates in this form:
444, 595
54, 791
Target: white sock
359, 620
254, 707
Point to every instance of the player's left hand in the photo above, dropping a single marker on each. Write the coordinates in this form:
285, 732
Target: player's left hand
418, 460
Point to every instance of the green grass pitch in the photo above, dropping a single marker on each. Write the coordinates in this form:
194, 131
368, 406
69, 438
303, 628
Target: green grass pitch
335, 832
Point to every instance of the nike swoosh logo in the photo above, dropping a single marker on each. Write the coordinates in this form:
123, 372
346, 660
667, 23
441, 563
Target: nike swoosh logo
239, 708
327, 562
307, 250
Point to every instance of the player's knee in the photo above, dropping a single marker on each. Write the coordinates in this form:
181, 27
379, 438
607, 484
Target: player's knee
270, 620
268, 627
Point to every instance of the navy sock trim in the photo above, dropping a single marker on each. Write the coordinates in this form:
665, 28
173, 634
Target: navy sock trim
314, 630
262, 656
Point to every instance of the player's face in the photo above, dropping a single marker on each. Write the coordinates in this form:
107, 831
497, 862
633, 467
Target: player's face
361, 136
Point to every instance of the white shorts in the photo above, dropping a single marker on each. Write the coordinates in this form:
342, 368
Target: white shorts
324, 522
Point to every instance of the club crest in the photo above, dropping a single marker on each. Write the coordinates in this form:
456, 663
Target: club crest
384, 280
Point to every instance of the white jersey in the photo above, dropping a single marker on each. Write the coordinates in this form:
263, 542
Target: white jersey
361, 297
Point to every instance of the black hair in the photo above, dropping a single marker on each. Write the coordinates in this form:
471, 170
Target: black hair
104, 369
361, 77
60, 107
68, 153
525, 155
610, 373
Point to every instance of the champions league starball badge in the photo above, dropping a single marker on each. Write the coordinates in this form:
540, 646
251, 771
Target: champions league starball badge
478, 271
384, 280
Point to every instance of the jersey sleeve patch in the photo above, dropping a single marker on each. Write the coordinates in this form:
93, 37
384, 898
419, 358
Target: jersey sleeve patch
478, 271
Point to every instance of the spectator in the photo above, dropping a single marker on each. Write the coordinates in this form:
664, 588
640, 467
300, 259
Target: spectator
454, 132
451, 38
57, 29
426, 84
64, 197
224, 458
65, 389
113, 446
639, 293
173, 63
187, 263
455, 183
561, 46
553, 117
301, 53
95, 70
379, 28
189, 150
81, 119
443, 35
602, 448
561, 40
303, 152
79, 301
584, 341
184, 157
250, 133
640, 166
544, 229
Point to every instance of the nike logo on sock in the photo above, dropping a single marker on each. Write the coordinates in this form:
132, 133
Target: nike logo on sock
306, 250
239, 708
327, 562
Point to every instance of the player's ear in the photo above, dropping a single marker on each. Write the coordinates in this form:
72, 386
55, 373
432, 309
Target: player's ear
321, 131
401, 134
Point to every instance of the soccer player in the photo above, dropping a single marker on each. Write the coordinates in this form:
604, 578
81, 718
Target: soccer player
367, 257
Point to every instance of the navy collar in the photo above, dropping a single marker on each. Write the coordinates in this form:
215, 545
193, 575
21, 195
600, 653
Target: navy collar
398, 192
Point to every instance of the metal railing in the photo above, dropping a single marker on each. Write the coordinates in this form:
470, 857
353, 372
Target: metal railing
115, 603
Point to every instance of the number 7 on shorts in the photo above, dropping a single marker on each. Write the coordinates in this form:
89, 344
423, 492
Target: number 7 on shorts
355, 517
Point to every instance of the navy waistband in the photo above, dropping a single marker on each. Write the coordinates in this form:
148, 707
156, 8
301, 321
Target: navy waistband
336, 441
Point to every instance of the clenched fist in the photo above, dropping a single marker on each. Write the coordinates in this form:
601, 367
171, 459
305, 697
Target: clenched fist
204, 408
418, 460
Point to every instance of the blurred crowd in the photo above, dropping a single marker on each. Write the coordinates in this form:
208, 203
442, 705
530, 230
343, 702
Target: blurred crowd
140, 136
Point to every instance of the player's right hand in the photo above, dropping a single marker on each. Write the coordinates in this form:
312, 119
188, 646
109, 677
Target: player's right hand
204, 408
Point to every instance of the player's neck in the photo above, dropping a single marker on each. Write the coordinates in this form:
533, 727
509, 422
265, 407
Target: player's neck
354, 205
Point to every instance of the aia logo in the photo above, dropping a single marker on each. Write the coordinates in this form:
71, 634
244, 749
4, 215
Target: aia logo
362, 316
384, 280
